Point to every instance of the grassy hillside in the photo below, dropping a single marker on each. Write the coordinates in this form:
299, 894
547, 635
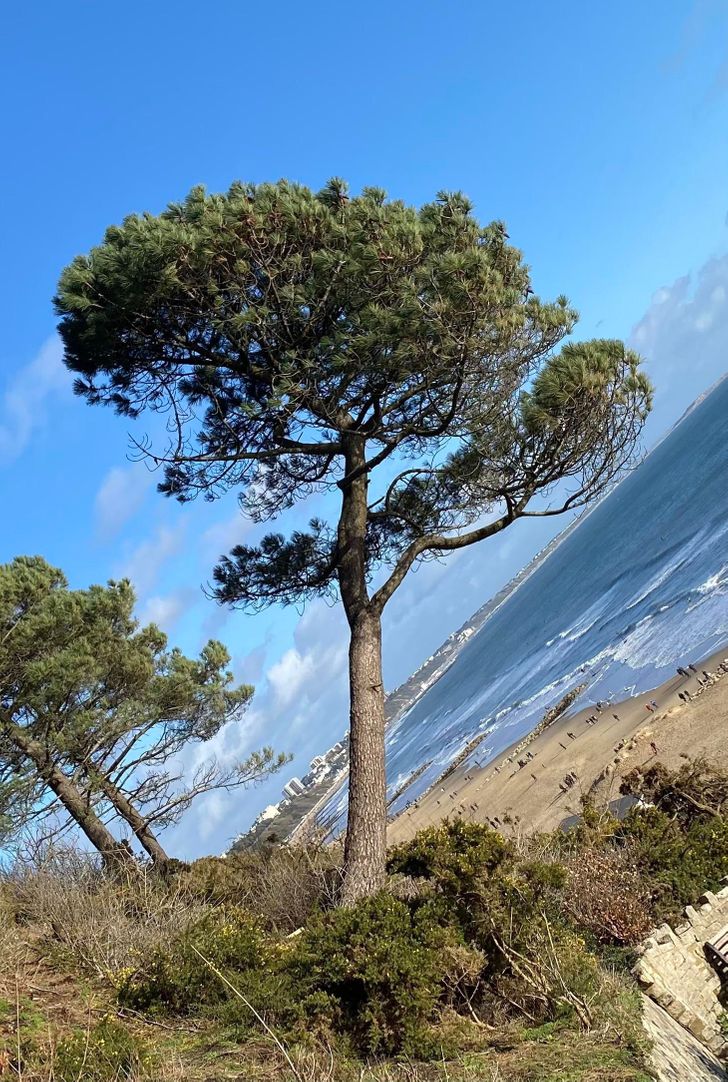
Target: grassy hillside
484, 959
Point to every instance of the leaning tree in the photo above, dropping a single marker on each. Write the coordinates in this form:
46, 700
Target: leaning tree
298, 342
95, 712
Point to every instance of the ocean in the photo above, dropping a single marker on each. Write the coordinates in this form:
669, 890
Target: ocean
640, 587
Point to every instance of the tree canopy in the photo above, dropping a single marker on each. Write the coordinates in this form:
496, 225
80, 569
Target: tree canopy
269, 322
104, 702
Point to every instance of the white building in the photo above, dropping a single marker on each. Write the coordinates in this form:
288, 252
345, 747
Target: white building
317, 761
293, 787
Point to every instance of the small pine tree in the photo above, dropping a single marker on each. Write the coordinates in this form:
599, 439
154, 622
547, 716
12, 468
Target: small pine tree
94, 709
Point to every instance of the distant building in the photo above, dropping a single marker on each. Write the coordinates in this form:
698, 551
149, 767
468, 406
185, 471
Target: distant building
317, 761
293, 787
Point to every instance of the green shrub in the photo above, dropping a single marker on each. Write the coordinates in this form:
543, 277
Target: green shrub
176, 978
677, 862
106, 1053
456, 856
379, 969
496, 904
475, 870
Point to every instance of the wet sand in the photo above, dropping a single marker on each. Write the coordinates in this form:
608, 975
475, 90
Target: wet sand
528, 798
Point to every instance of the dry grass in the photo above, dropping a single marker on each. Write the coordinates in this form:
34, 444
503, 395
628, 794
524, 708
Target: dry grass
281, 885
102, 924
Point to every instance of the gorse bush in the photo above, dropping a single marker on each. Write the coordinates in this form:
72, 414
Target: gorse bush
456, 856
475, 929
372, 973
680, 842
676, 862
176, 977
479, 941
108, 1052
486, 934
381, 967
478, 884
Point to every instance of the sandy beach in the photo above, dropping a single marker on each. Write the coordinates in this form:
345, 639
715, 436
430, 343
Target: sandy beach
534, 796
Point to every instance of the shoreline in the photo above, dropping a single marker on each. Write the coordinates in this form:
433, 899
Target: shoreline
530, 796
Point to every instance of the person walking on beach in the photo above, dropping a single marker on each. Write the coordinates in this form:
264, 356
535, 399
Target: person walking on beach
653, 745
571, 736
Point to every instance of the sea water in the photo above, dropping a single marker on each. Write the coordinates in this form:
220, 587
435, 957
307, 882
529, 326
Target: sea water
640, 587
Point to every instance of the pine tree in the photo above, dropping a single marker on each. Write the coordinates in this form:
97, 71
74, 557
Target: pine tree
299, 342
95, 710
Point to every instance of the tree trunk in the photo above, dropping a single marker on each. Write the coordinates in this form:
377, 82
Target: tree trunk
365, 850
115, 854
142, 831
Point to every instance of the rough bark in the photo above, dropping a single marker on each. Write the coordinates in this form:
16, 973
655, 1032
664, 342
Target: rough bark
365, 848
142, 831
115, 854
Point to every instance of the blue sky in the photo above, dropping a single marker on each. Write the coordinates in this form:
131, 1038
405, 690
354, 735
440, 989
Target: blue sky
598, 132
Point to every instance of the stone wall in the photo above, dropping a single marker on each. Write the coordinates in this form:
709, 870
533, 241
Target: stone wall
675, 1055
673, 970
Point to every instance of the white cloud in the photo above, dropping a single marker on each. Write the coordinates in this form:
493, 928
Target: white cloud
216, 809
166, 610
145, 562
214, 816
287, 677
25, 400
683, 337
120, 496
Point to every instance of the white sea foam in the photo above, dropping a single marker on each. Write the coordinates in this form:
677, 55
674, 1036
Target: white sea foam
716, 583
